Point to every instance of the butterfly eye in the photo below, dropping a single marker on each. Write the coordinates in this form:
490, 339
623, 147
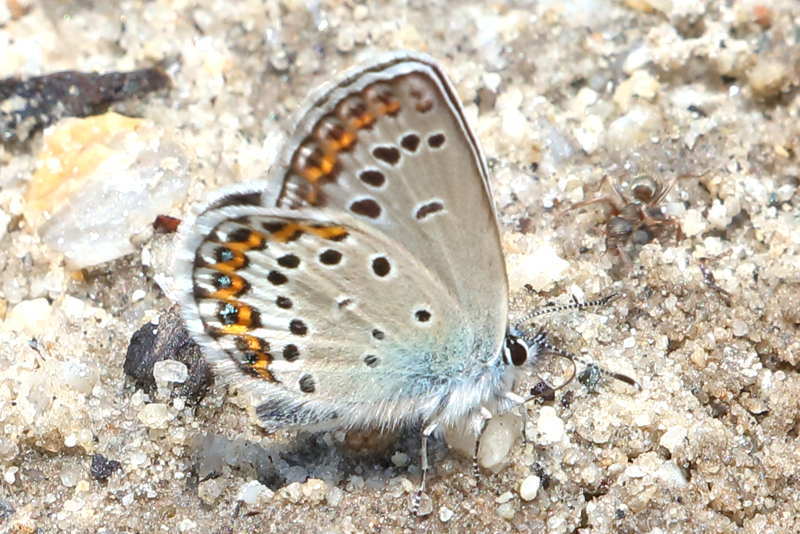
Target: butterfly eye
515, 351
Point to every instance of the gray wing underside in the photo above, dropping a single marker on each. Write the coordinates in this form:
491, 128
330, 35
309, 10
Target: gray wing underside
346, 323
435, 218
461, 241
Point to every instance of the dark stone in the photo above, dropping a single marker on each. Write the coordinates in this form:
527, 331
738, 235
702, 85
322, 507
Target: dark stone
102, 467
169, 340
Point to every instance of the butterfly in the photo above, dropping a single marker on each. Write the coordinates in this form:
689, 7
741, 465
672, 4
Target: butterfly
363, 284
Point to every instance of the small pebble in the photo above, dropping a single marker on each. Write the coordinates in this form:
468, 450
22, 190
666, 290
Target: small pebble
355, 483
504, 497
740, 328
590, 133
345, 42
29, 317
102, 467
170, 371
315, 490
293, 492
768, 77
673, 438
400, 459
77, 376
550, 428
253, 492
155, 415
334, 497
445, 514
497, 441
506, 510
187, 525
529, 487
10, 475
210, 490
279, 61
70, 475
693, 223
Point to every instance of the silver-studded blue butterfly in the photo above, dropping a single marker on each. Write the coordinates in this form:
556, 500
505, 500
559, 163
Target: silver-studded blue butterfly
363, 284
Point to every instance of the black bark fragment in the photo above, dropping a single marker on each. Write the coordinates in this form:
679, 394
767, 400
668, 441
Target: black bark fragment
28, 105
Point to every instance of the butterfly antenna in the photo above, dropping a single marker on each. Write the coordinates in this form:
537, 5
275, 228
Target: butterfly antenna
540, 340
574, 305
575, 358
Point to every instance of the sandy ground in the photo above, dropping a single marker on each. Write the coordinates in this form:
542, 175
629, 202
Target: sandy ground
560, 94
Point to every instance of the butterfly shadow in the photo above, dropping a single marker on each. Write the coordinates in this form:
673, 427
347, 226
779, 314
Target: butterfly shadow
348, 460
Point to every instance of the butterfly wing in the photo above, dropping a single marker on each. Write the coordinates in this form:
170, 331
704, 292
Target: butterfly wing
324, 315
406, 307
389, 143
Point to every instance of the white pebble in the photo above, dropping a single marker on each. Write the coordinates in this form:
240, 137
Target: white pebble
672, 474
5, 218
70, 475
718, 215
10, 475
355, 483
673, 438
345, 42
445, 514
540, 267
504, 497
400, 459
492, 81
210, 490
315, 490
513, 124
693, 223
529, 487
155, 415
590, 133
425, 505
740, 328
253, 492
334, 496
187, 525
77, 376
635, 127
293, 492
637, 59
170, 371
506, 510
30, 317
550, 428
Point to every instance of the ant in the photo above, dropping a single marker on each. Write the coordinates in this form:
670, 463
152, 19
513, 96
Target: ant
637, 219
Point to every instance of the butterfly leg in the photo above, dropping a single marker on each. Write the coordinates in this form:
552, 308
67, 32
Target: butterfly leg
423, 452
484, 415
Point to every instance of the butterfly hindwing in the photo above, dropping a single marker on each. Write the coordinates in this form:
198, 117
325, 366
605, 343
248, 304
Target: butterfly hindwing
322, 310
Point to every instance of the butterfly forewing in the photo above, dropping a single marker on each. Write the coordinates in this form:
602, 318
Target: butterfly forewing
389, 144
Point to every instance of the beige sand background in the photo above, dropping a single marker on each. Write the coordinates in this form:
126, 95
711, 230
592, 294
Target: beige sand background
560, 94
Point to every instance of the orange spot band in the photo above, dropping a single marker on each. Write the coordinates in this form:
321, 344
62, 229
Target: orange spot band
254, 240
